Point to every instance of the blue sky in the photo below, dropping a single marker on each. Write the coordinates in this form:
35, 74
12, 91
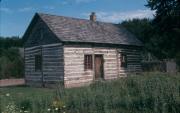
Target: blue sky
15, 15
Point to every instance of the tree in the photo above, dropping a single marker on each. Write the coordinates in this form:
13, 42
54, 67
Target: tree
167, 15
8, 42
167, 24
162, 45
11, 63
144, 30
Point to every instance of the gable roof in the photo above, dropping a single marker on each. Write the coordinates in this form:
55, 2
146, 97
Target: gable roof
69, 29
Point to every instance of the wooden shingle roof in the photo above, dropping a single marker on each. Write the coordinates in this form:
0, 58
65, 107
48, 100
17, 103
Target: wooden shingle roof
69, 29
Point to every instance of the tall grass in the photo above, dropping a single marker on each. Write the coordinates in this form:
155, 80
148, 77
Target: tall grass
147, 93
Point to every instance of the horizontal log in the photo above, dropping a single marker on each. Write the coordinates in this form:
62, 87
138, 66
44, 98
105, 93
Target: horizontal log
32, 54
30, 66
79, 73
52, 53
74, 71
29, 61
74, 56
52, 60
134, 65
53, 77
29, 58
111, 66
34, 76
67, 64
51, 45
53, 80
31, 48
33, 51
33, 73
78, 78
52, 67
53, 57
77, 81
53, 73
46, 45
53, 48
55, 64
34, 79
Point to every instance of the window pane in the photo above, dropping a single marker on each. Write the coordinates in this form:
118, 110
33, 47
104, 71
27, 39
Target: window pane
88, 62
123, 60
38, 62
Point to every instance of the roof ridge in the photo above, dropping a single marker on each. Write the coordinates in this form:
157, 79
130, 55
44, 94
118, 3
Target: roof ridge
48, 14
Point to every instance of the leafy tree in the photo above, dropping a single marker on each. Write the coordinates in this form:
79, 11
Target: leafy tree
160, 44
161, 35
144, 31
167, 15
167, 23
8, 42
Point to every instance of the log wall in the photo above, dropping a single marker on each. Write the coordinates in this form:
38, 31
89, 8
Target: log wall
52, 65
133, 61
74, 72
75, 75
65, 64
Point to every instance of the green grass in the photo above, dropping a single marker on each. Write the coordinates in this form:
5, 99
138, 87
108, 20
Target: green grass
38, 98
147, 93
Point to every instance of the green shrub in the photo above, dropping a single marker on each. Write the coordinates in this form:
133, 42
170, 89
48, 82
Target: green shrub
11, 64
25, 105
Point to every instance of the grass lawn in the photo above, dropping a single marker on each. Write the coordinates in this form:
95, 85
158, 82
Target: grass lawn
147, 93
30, 98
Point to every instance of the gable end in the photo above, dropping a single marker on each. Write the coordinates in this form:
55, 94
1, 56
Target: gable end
38, 33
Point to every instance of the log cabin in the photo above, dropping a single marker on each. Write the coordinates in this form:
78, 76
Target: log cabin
76, 52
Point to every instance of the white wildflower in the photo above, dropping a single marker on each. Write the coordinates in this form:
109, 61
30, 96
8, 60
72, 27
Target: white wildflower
56, 109
49, 109
7, 94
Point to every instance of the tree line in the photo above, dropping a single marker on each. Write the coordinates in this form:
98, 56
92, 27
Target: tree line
11, 62
160, 35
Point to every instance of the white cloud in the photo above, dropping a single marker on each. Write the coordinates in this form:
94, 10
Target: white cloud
25, 9
49, 7
6, 10
117, 17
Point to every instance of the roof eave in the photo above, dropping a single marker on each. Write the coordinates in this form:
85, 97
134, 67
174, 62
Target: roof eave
108, 44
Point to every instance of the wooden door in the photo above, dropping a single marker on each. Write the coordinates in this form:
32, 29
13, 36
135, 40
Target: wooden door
99, 66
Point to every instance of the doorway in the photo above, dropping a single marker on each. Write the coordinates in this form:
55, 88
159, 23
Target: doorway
99, 67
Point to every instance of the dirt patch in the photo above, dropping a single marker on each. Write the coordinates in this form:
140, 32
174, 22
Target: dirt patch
11, 82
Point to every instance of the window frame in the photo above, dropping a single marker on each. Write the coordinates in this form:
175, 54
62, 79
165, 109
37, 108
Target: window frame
38, 62
123, 60
88, 62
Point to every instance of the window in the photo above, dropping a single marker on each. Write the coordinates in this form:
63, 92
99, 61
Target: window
38, 62
88, 62
123, 60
